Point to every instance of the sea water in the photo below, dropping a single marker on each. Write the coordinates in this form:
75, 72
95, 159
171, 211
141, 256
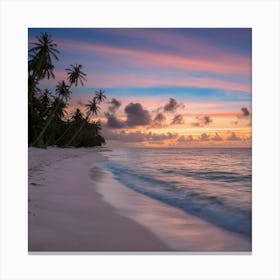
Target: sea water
214, 184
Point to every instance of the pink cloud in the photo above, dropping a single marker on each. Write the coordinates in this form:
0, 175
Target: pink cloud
166, 37
233, 64
130, 80
106, 80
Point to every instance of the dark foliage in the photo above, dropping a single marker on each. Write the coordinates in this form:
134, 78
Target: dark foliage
48, 123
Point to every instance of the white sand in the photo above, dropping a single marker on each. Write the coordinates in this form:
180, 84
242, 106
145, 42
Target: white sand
66, 214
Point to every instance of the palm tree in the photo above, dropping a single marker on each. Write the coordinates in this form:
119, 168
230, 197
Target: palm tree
40, 65
63, 92
100, 96
97, 139
32, 87
97, 127
58, 106
45, 102
93, 109
54, 127
75, 75
76, 118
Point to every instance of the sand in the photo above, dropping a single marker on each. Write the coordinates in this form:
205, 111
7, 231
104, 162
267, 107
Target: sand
65, 213
76, 206
179, 230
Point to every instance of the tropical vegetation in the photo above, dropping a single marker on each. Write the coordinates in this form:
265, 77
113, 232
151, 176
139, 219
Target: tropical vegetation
49, 119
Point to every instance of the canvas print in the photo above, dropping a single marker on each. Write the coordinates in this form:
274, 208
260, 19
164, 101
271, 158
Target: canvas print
140, 140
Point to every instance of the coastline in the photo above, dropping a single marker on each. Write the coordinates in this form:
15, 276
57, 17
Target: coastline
74, 205
66, 214
179, 230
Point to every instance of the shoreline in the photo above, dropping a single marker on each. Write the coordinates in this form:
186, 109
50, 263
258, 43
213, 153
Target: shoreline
74, 205
179, 230
66, 214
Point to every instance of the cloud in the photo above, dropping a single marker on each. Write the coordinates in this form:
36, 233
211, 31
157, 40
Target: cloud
171, 106
113, 121
159, 120
189, 138
243, 117
136, 115
181, 139
185, 139
178, 119
127, 137
217, 137
159, 137
207, 120
128, 80
204, 137
231, 64
195, 124
114, 105
203, 120
137, 136
233, 137
245, 112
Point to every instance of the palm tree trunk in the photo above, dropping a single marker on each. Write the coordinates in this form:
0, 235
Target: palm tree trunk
64, 133
49, 120
34, 78
79, 130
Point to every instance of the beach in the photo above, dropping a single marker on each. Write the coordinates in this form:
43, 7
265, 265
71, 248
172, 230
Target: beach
65, 214
76, 204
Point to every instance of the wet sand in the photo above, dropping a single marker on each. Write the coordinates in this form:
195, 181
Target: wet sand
65, 213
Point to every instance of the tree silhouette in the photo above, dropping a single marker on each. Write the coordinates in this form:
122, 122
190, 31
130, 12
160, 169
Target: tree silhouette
77, 118
46, 112
40, 64
75, 74
100, 96
63, 92
93, 109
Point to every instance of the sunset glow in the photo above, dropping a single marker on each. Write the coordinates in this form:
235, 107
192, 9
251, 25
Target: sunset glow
164, 87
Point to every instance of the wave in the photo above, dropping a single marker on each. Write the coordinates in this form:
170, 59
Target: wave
208, 207
212, 175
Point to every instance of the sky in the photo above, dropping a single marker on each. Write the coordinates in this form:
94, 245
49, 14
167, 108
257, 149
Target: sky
165, 87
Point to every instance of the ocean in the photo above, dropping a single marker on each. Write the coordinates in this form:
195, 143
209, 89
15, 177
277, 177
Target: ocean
213, 184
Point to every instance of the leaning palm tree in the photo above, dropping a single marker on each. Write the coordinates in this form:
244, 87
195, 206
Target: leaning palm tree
63, 92
76, 118
93, 109
59, 106
100, 96
98, 140
46, 99
54, 127
40, 64
75, 74
97, 127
